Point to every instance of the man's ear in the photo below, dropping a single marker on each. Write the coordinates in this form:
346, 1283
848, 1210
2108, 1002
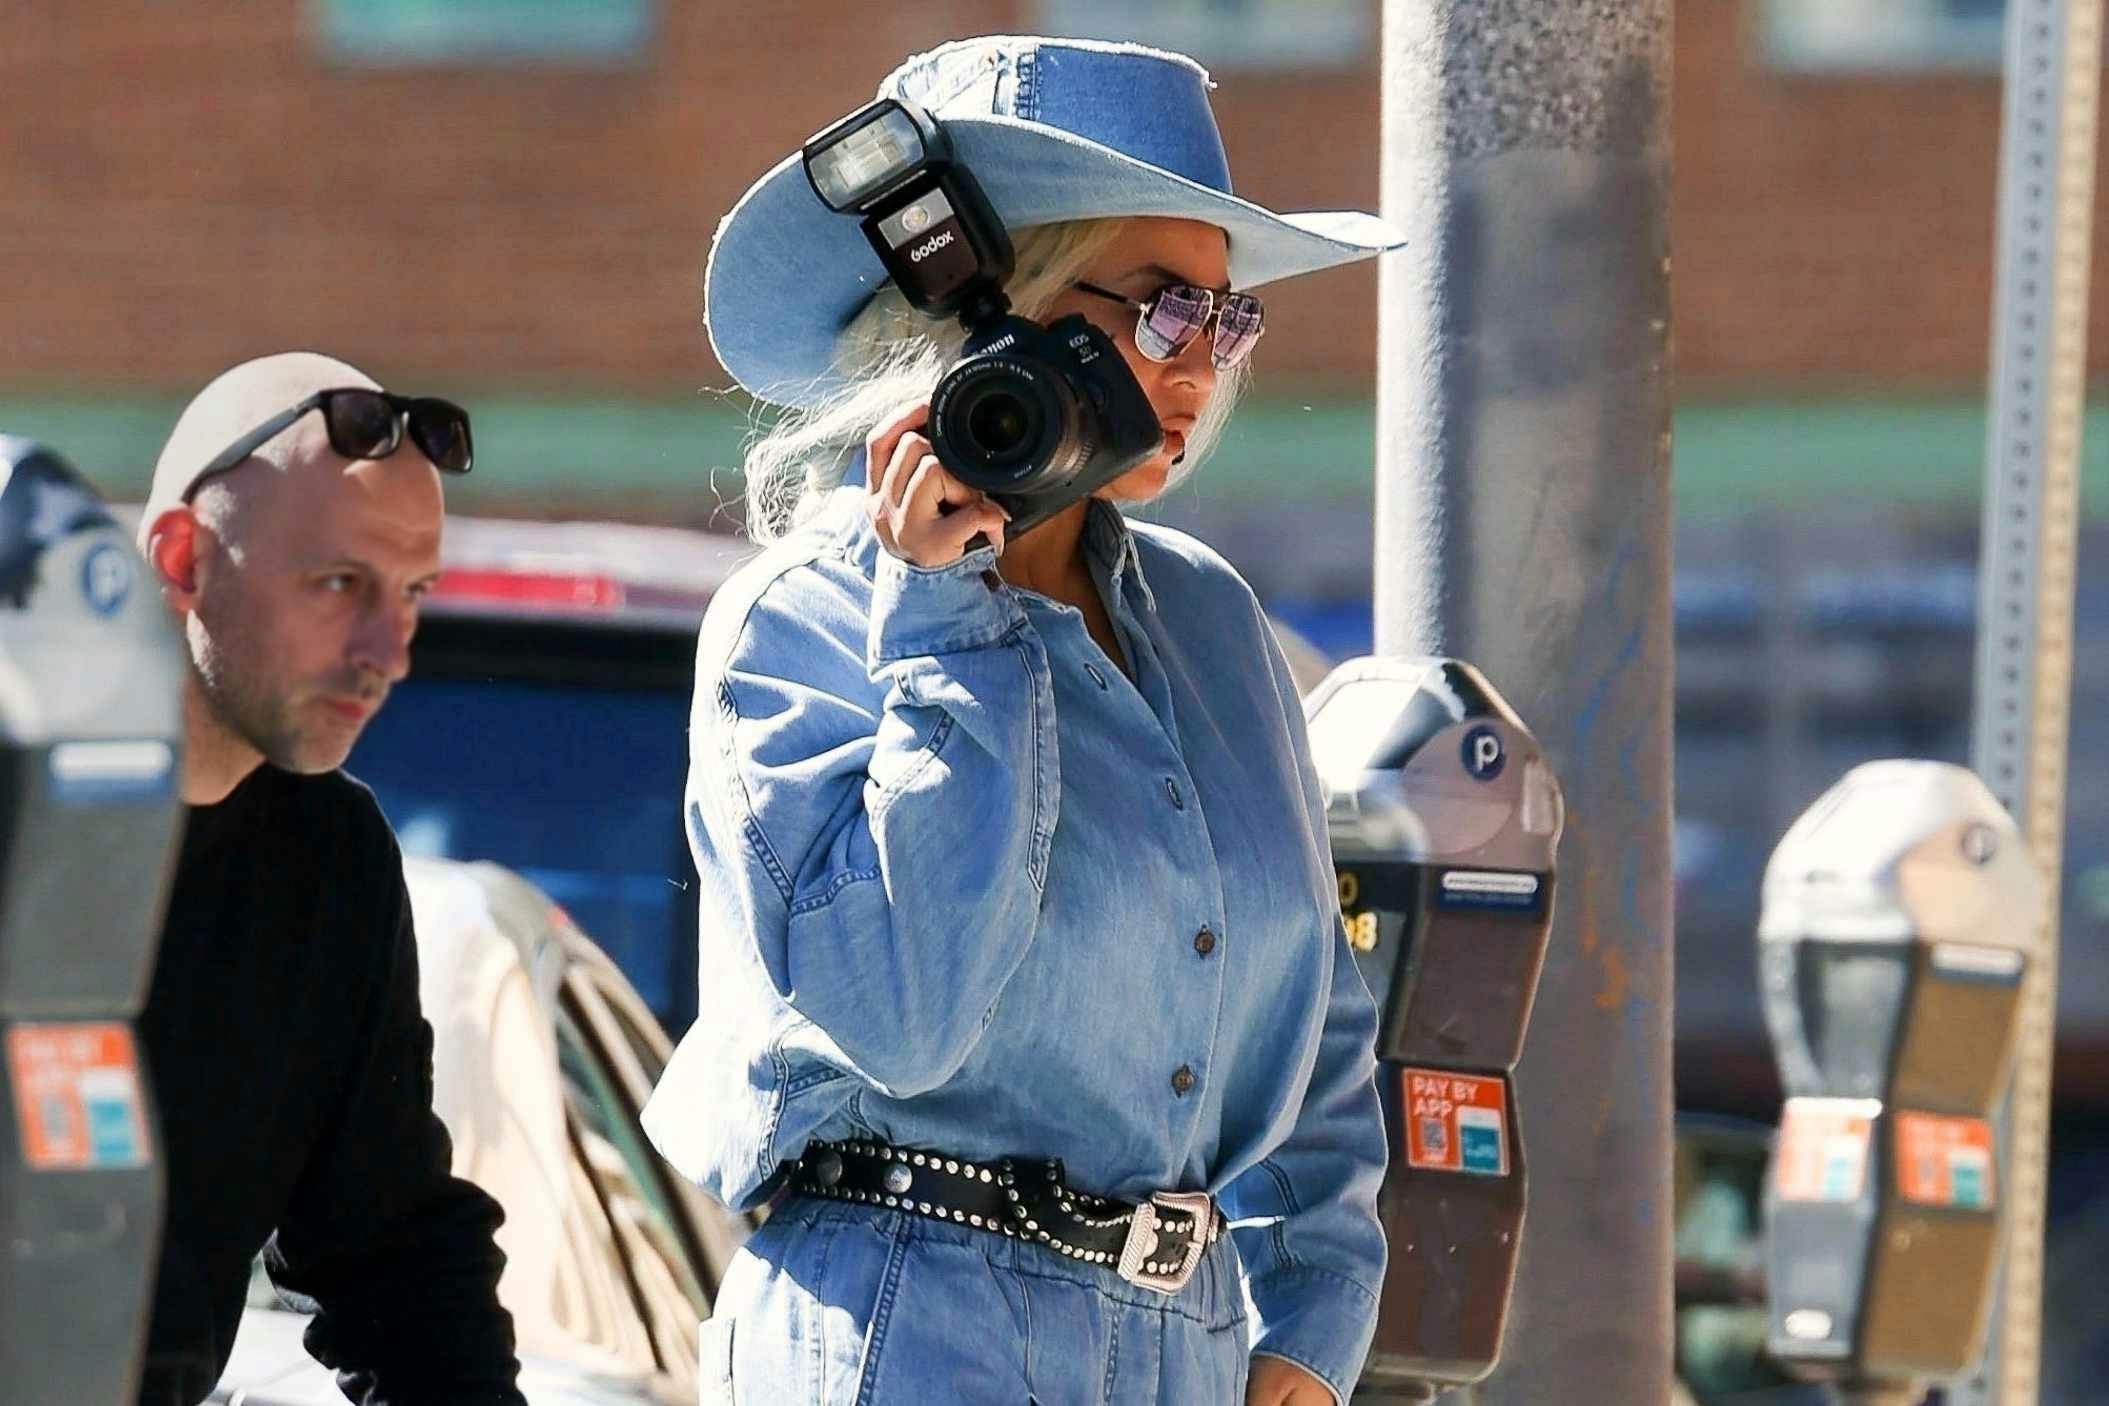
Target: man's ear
172, 550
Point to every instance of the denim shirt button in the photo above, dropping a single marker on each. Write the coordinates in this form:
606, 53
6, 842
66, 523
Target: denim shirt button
1171, 790
1204, 942
1182, 1080
1096, 676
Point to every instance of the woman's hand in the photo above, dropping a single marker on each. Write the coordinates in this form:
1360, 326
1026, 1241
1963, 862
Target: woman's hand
1276, 1381
921, 513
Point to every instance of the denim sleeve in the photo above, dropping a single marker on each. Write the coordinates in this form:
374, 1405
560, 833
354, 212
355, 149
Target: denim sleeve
872, 799
1315, 1264
1315, 1261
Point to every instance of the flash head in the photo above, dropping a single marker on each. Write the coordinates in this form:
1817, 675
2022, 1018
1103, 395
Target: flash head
872, 152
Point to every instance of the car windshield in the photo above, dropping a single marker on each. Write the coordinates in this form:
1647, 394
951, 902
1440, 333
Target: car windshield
575, 787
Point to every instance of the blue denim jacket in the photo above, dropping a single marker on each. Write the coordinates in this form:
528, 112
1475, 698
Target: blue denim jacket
967, 887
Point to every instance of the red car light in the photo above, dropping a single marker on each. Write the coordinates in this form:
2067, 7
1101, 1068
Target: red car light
530, 588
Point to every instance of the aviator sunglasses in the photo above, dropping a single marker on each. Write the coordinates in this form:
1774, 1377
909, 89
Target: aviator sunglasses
1167, 321
363, 424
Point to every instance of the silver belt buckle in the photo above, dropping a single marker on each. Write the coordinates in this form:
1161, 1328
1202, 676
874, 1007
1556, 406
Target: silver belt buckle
1188, 1212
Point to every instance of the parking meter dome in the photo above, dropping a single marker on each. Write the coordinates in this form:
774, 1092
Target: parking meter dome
1421, 759
1902, 848
81, 629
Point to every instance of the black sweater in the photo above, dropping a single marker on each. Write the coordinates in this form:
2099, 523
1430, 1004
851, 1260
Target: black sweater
292, 1069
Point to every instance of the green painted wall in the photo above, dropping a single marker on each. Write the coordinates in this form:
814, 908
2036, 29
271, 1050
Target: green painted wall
675, 461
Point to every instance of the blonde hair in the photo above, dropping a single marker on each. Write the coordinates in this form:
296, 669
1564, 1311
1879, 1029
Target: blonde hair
894, 354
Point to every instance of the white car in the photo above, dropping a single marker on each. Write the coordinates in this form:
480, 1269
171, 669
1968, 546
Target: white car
543, 1057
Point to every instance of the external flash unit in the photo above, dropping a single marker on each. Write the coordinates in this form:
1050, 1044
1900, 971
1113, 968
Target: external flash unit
924, 213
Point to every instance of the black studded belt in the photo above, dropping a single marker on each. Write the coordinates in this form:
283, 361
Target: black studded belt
1154, 1243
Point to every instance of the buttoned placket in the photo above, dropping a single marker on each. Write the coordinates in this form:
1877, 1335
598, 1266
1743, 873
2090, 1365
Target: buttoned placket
1118, 572
1193, 1034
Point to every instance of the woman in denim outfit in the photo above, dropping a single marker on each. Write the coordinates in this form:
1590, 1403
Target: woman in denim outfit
1017, 907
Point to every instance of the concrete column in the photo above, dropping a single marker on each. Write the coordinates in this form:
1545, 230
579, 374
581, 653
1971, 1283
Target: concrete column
1523, 506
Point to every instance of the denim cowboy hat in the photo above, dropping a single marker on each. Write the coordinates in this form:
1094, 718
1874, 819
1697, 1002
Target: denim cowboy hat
1054, 129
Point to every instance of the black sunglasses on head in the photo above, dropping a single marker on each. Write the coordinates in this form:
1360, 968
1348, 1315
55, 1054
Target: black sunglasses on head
363, 424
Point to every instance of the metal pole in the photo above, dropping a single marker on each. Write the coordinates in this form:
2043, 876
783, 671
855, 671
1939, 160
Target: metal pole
2025, 591
1523, 523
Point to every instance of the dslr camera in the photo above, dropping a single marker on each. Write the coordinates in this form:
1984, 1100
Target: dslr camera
1035, 417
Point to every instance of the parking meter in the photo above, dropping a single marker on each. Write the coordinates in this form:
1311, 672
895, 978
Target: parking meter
1444, 819
1899, 912
90, 711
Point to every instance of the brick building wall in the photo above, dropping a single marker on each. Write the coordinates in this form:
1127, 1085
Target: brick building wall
191, 181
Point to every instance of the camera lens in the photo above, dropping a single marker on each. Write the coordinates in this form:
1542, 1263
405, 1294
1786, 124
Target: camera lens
1002, 424
999, 424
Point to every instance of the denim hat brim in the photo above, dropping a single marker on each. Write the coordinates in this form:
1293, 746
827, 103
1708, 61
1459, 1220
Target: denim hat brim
787, 274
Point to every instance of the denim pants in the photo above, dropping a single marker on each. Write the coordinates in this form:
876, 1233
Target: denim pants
846, 1305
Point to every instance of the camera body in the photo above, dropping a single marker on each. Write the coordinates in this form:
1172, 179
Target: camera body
1036, 417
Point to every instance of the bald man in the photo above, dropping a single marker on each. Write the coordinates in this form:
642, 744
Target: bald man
294, 525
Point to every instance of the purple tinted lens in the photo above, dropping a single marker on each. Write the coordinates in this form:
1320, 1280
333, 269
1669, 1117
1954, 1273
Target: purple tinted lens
1171, 320
1237, 330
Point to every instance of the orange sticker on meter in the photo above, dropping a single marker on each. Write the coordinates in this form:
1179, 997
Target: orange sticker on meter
77, 1096
1456, 1122
1823, 1147
1944, 1161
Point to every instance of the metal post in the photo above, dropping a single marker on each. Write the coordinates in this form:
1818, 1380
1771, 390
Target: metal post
2025, 591
1523, 523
